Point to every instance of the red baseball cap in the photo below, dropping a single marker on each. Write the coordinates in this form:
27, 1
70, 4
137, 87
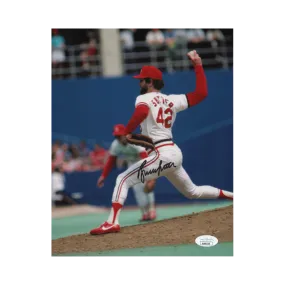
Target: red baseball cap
149, 71
119, 130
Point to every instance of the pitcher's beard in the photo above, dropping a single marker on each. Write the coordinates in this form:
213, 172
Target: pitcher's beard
143, 90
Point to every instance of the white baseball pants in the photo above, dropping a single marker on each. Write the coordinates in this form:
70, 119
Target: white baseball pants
165, 161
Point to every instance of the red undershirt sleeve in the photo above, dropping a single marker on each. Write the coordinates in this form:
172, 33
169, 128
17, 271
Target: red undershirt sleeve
109, 166
137, 118
201, 91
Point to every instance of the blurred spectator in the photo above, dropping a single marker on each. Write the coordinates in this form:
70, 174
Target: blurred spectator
196, 36
87, 57
66, 152
58, 51
217, 41
128, 44
156, 42
98, 157
57, 153
172, 52
127, 39
181, 35
170, 39
83, 149
73, 158
59, 197
181, 48
170, 44
215, 37
53, 164
155, 38
74, 163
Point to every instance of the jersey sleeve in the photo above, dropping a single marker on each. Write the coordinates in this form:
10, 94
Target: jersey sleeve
114, 150
142, 100
180, 102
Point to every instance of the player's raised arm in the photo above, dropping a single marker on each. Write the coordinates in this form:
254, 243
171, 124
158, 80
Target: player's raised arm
201, 90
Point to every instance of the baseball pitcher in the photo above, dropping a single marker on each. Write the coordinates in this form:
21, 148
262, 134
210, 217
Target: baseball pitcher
156, 112
131, 153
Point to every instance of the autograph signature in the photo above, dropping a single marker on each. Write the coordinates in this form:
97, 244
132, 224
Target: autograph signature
143, 173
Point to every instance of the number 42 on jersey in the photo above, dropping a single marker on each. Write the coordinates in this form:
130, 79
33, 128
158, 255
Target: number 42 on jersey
163, 117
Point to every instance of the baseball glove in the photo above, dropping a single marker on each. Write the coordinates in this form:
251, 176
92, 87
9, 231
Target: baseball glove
141, 140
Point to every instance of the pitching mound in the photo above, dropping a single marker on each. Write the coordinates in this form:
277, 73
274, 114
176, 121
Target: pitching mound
179, 230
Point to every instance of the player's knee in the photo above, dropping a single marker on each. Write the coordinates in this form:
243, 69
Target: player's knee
193, 192
119, 179
123, 179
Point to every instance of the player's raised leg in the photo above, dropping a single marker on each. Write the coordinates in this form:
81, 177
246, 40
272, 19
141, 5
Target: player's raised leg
183, 183
139, 172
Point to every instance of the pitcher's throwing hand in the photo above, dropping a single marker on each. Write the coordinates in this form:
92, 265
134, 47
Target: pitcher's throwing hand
194, 57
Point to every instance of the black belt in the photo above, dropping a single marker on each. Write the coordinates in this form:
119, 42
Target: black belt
165, 140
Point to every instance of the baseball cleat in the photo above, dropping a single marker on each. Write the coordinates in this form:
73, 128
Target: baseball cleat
152, 215
105, 229
226, 195
144, 218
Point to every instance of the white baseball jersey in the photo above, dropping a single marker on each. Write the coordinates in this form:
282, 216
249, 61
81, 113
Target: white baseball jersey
128, 152
163, 109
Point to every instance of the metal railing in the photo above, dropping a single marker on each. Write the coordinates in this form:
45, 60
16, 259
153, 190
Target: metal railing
169, 60
173, 59
75, 65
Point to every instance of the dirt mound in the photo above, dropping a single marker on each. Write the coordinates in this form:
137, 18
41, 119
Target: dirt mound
179, 230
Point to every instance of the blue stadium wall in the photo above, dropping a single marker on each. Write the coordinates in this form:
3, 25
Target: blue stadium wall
89, 108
